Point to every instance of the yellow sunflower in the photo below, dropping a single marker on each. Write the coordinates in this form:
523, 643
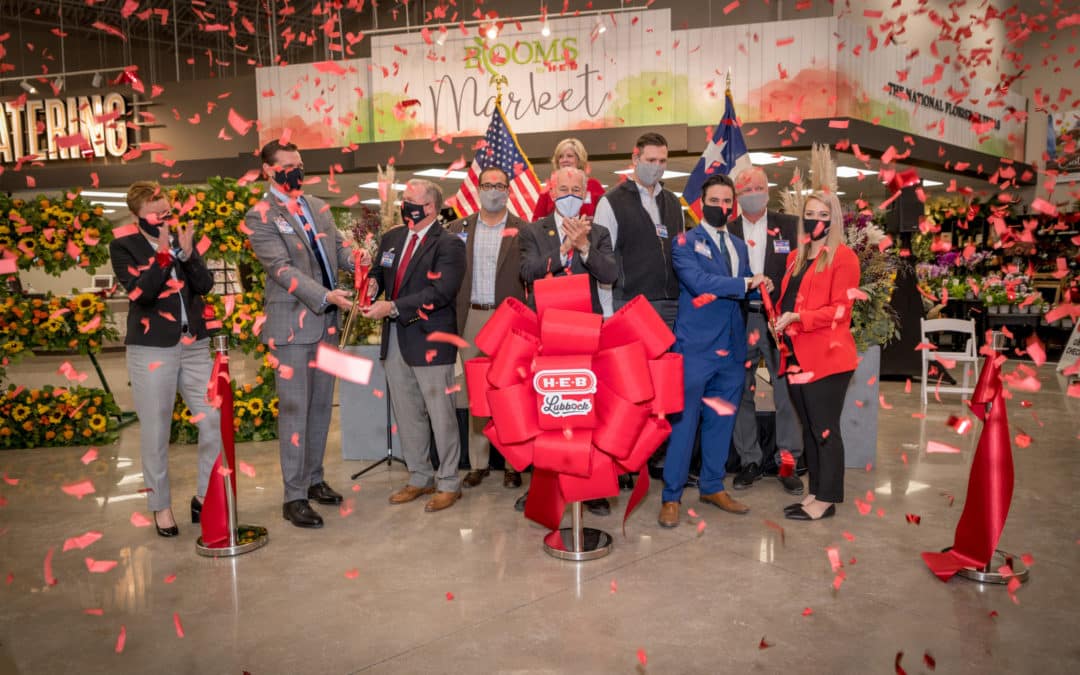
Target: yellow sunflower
273, 406
223, 209
255, 405
85, 302
98, 423
20, 412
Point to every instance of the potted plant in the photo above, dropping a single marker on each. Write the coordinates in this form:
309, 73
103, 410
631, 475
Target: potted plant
874, 323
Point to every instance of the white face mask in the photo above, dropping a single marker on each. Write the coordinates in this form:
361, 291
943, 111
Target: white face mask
569, 206
754, 202
648, 173
493, 201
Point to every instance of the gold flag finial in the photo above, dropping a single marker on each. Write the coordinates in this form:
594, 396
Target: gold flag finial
499, 81
727, 80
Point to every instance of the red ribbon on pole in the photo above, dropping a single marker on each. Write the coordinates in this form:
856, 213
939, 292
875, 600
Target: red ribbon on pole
990, 484
214, 519
360, 278
580, 399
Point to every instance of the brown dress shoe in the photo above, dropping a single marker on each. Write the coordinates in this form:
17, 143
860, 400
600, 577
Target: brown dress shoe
474, 478
511, 479
442, 500
723, 501
669, 515
409, 493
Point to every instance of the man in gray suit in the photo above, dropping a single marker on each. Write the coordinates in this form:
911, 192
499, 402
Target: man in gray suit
770, 237
295, 239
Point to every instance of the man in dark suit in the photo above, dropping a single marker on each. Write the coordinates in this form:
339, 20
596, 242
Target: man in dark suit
420, 268
564, 243
770, 237
295, 239
492, 274
713, 268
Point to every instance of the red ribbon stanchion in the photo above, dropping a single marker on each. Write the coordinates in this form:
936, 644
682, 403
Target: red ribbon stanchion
990, 485
580, 399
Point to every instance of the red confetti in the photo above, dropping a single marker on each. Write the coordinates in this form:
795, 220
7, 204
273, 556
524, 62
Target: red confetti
449, 595
50, 580
169, 578
700, 526
89, 456
763, 644
929, 661
719, 406
99, 566
352, 574
121, 639
934, 447
448, 338
913, 519
80, 489
139, 520
1023, 440
614, 586
642, 658
179, 626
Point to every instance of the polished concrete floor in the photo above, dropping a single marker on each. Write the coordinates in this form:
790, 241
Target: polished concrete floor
391, 589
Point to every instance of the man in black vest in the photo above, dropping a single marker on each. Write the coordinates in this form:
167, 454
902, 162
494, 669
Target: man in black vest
770, 237
643, 219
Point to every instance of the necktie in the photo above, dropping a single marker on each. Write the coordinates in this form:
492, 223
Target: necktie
725, 261
568, 259
405, 258
323, 267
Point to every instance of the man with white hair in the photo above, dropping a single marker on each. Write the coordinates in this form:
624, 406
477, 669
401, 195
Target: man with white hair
770, 237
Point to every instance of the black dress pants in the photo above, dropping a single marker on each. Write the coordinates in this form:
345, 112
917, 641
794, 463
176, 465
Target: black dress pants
819, 405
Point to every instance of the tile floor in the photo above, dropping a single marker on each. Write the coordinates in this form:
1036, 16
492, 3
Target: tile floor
370, 592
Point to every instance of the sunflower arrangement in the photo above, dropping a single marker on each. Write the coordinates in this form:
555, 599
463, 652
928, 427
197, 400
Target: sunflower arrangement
79, 323
255, 411
247, 308
219, 209
57, 416
55, 234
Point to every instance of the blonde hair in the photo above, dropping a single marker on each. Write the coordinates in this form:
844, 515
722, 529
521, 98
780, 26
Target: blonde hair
571, 144
833, 239
140, 193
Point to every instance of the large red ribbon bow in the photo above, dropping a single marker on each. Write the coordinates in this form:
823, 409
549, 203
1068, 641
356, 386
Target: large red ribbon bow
581, 399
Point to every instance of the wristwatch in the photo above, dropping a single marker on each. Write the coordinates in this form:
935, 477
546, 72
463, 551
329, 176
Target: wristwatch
394, 310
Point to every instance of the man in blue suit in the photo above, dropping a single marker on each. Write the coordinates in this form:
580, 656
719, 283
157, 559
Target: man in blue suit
713, 268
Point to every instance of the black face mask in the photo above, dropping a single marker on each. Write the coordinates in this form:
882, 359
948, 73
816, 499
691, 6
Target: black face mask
411, 212
811, 227
154, 230
293, 179
717, 216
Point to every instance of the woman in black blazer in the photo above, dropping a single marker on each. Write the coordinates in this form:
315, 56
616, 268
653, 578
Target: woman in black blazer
167, 342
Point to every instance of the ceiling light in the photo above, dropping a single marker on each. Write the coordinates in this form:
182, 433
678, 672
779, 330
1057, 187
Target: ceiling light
763, 158
492, 32
600, 27
93, 193
441, 40
98, 79
442, 173
374, 185
668, 174
546, 30
931, 183
104, 203
58, 84
371, 201
108, 211
852, 172
29, 88
772, 184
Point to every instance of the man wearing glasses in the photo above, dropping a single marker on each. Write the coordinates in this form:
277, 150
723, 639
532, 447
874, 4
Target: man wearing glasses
420, 268
567, 243
492, 274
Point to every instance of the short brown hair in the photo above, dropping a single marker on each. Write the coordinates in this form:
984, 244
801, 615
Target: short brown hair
141, 192
270, 150
650, 138
495, 167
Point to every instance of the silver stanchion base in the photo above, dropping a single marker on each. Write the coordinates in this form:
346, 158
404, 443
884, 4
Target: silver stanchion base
596, 544
248, 538
990, 574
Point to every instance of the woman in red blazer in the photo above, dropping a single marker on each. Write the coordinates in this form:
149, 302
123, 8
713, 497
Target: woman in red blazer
815, 323
570, 152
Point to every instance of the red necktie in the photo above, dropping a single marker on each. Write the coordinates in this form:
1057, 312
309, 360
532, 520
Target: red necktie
404, 264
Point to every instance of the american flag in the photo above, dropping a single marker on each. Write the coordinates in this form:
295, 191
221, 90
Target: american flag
726, 154
501, 149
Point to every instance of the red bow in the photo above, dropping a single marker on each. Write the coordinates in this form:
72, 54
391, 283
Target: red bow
580, 399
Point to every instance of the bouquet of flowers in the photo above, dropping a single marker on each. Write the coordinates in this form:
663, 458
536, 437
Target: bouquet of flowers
219, 210
57, 416
54, 234
873, 321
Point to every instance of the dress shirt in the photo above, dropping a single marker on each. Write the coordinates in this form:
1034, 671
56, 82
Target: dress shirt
605, 216
733, 255
486, 242
758, 233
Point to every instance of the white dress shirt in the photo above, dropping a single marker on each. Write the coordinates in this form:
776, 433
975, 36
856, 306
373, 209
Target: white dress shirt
758, 233
733, 255
605, 216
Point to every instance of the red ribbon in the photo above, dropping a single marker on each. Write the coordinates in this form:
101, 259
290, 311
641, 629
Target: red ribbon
360, 279
575, 457
771, 315
214, 519
990, 484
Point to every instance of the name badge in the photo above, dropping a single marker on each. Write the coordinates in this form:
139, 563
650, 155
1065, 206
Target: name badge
283, 226
703, 249
387, 259
781, 246
661, 231
463, 236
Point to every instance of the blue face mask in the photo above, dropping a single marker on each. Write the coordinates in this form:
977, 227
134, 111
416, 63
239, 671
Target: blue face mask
569, 206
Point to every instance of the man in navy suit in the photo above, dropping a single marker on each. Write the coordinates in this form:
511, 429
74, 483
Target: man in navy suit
713, 268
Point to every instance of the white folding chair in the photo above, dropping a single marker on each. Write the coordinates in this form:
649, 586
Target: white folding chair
968, 355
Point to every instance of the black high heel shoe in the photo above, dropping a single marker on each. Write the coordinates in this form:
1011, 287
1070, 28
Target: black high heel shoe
196, 510
165, 531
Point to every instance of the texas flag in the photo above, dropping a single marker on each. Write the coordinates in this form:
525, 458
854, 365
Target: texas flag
726, 153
